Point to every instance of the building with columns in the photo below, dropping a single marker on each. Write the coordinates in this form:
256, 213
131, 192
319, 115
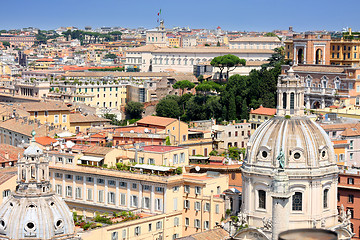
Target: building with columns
290, 176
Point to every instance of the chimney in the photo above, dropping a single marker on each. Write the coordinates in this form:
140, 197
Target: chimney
350, 31
7, 156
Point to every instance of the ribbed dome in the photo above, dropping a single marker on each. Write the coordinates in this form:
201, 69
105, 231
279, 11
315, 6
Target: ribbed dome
304, 143
41, 217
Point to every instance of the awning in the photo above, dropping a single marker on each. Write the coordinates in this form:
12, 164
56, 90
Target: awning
90, 158
153, 167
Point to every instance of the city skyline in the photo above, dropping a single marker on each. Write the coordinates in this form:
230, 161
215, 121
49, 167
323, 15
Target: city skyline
247, 15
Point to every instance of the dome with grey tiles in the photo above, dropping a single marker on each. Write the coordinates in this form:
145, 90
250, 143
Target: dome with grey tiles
33, 211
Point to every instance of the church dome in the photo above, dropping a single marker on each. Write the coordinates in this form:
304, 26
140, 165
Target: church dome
34, 211
41, 217
303, 142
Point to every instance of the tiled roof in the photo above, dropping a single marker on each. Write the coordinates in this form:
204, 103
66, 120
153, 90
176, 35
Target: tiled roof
6, 174
256, 39
318, 68
12, 151
213, 234
77, 117
264, 111
24, 128
163, 148
98, 150
45, 140
155, 121
146, 48
218, 50
43, 106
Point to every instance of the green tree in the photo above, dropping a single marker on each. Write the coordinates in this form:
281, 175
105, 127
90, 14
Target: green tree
217, 62
112, 117
134, 110
270, 34
229, 61
110, 56
6, 44
183, 84
168, 107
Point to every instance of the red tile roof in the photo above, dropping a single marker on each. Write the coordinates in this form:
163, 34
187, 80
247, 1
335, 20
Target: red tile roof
10, 153
45, 140
264, 111
162, 148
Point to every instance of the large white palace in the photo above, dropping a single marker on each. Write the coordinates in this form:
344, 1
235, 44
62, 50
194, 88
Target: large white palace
290, 173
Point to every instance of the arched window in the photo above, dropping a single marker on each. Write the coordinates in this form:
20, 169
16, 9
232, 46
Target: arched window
326, 192
262, 199
297, 201
284, 100
292, 100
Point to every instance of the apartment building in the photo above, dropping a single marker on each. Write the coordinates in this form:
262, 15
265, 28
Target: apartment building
260, 115
310, 48
195, 197
349, 197
231, 135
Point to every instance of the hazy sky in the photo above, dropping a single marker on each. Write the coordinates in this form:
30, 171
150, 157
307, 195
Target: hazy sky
249, 15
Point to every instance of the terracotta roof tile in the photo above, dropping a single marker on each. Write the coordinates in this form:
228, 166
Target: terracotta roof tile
98, 150
45, 140
43, 106
213, 234
156, 121
77, 117
264, 111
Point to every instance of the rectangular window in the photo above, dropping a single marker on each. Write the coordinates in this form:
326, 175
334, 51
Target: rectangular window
101, 196
90, 179
350, 181
207, 207
197, 206
297, 201
186, 204
46, 113
217, 209
147, 187
151, 161
197, 190
123, 184
351, 198
197, 223
122, 199
186, 189
56, 118
68, 191
111, 182
176, 221
158, 225
187, 222
351, 144
141, 160
182, 157
262, 199
176, 188
159, 189
64, 118
78, 192
146, 202
134, 201
69, 160
158, 204
137, 231
134, 186
58, 175
111, 197
35, 114
100, 181
206, 225
89, 194
150, 227
58, 189
68, 177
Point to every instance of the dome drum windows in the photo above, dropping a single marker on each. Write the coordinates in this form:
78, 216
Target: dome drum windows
2, 226
264, 153
59, 227
296, 155
323, 153
30, 229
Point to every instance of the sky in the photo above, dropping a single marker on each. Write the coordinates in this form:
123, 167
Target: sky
240, 15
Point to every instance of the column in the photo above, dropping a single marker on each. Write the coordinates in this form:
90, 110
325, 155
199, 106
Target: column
74, 188
128, 195
164, 200
95, 189
53, 180
140, 197
84, 186
106, 192
63, 185
117, 194
152, 199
